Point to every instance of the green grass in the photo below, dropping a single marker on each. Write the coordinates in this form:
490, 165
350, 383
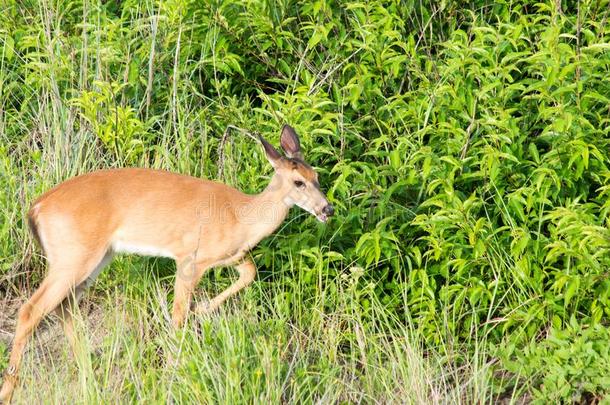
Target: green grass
254, 350
464, 146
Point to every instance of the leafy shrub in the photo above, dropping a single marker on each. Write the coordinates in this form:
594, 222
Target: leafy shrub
570, 365
464, 144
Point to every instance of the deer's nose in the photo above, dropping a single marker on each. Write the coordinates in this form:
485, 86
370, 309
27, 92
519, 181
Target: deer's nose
328, 210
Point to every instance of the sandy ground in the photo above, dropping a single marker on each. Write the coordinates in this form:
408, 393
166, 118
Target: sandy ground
49, 336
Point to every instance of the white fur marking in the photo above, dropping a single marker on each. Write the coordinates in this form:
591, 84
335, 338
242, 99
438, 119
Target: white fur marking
140, 249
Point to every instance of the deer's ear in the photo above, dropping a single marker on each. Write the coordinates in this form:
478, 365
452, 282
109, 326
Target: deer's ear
290, 142
273, 156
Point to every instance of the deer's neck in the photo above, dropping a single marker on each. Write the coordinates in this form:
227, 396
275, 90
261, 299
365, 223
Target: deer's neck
263, 213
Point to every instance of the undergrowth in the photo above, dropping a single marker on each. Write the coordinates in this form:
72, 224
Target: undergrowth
464, 145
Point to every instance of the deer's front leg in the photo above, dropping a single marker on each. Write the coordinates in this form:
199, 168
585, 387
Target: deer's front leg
247, 273
187, 277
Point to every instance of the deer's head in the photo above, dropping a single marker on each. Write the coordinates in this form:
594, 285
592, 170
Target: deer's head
296, 180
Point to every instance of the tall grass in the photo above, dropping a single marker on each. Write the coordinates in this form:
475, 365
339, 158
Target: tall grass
464, 145
254, 350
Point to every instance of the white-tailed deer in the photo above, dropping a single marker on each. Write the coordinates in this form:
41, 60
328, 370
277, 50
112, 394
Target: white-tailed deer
83, 222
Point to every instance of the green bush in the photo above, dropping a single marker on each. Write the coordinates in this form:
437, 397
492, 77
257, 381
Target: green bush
568, 366
464, 144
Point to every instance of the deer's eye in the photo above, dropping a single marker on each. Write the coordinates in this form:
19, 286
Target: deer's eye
299, 183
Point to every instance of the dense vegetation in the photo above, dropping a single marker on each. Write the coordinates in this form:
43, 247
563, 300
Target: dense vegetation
465, 146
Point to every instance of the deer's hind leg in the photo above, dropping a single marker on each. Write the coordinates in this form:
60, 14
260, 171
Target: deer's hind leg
65, 274
68, 306
65, 312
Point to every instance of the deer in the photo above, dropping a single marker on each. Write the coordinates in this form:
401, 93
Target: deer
201, 224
